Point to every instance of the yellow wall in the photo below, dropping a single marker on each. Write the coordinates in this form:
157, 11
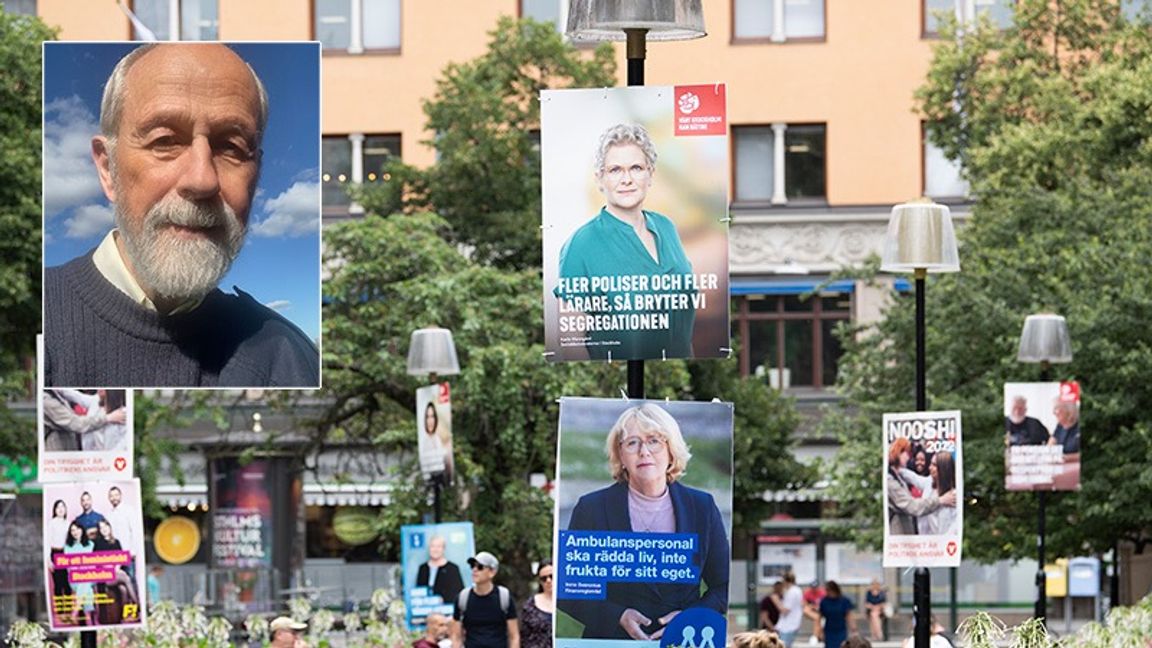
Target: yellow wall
859, 81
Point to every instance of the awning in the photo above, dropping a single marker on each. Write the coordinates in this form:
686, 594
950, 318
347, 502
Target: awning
751, 286
196, 495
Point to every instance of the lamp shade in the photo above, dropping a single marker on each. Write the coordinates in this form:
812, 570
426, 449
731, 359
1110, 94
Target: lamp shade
1045, 339
606, 20
432, 351
920, 237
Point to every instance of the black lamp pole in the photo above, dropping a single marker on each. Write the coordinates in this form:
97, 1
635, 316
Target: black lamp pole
1041, 611
636, 50
921, 580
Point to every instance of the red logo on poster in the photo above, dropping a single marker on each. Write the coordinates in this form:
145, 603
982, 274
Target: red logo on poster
1070, 392
951, 548
444, 393
120, 463
700, 110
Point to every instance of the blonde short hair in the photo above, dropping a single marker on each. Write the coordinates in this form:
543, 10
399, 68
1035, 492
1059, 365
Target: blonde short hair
757, 639
648, 418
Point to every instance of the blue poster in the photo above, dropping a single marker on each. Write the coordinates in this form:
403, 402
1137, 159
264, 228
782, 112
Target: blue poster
644, 503
435, 562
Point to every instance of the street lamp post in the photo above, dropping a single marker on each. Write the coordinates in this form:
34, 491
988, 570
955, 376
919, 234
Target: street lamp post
432, 353
920, 240
1044, 340
635, 22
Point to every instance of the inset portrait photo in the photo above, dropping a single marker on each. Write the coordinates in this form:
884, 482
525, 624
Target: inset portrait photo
181, 215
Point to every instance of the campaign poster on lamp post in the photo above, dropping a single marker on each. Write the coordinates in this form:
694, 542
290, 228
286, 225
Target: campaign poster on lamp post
435, 562
923, 487
82, 434
434, 431
94, 555
1042, 436
635, 210
644, 513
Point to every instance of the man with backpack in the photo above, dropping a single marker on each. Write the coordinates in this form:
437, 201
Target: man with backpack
485, 615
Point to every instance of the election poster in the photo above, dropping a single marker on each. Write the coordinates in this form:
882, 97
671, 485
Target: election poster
83, 434
644, 519
241, 513
1042, 436
94, 555
434, 431
635, 212
435, 562
923, 489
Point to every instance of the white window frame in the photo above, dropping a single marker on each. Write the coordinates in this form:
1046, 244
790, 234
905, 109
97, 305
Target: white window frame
779, 149
779, 26
930, 152
967, 12
356, 29
561, 20
175, 33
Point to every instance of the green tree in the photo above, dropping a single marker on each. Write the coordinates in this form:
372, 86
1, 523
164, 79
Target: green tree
473, 267
486, 182
1053, 119
20, 38
393, 275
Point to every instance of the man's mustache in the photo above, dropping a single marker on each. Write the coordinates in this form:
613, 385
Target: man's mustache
185, 213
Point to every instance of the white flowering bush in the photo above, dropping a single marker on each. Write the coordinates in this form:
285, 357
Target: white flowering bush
257, 627
25, 634
1125, 627
173, 626
352, 622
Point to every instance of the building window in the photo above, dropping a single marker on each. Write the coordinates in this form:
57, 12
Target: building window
357, 26
943, 178
19, 7
545, 11
355, 158
1000, 12
779, 164
172, 20
790, 341
1136, 10
777, 20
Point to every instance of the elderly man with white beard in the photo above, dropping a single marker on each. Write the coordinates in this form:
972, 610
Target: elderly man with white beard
179, 157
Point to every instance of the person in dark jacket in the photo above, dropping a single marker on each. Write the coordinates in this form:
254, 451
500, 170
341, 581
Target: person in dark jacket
647, 455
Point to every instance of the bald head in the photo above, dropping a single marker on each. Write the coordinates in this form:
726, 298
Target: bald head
210, 63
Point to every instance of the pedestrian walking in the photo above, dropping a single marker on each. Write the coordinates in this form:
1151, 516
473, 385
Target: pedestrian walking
485, 615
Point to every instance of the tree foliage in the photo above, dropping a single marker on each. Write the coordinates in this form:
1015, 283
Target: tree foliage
486, 182
393, 275
474, 267
20, 38
1053, 119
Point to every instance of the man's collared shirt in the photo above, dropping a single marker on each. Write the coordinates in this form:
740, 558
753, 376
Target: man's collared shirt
111, 265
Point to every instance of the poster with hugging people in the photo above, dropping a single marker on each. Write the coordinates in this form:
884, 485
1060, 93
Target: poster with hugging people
923, 489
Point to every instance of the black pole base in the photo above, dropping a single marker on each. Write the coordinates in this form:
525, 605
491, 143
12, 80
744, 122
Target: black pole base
922, 607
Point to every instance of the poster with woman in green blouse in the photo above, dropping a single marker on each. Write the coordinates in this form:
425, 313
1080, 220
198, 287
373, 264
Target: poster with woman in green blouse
635, 211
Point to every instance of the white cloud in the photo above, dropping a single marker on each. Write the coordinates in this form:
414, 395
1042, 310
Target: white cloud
279, 305
88, 220
295, 212
70, 178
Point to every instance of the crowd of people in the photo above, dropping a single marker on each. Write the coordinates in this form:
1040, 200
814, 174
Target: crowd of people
921, 490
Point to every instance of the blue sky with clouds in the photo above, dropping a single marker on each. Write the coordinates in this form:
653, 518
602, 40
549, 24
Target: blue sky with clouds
280, 262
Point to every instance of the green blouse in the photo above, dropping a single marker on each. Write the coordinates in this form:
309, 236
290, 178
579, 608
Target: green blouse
630, 305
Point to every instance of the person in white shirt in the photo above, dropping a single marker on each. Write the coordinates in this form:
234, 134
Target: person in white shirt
791, 612
122, 522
